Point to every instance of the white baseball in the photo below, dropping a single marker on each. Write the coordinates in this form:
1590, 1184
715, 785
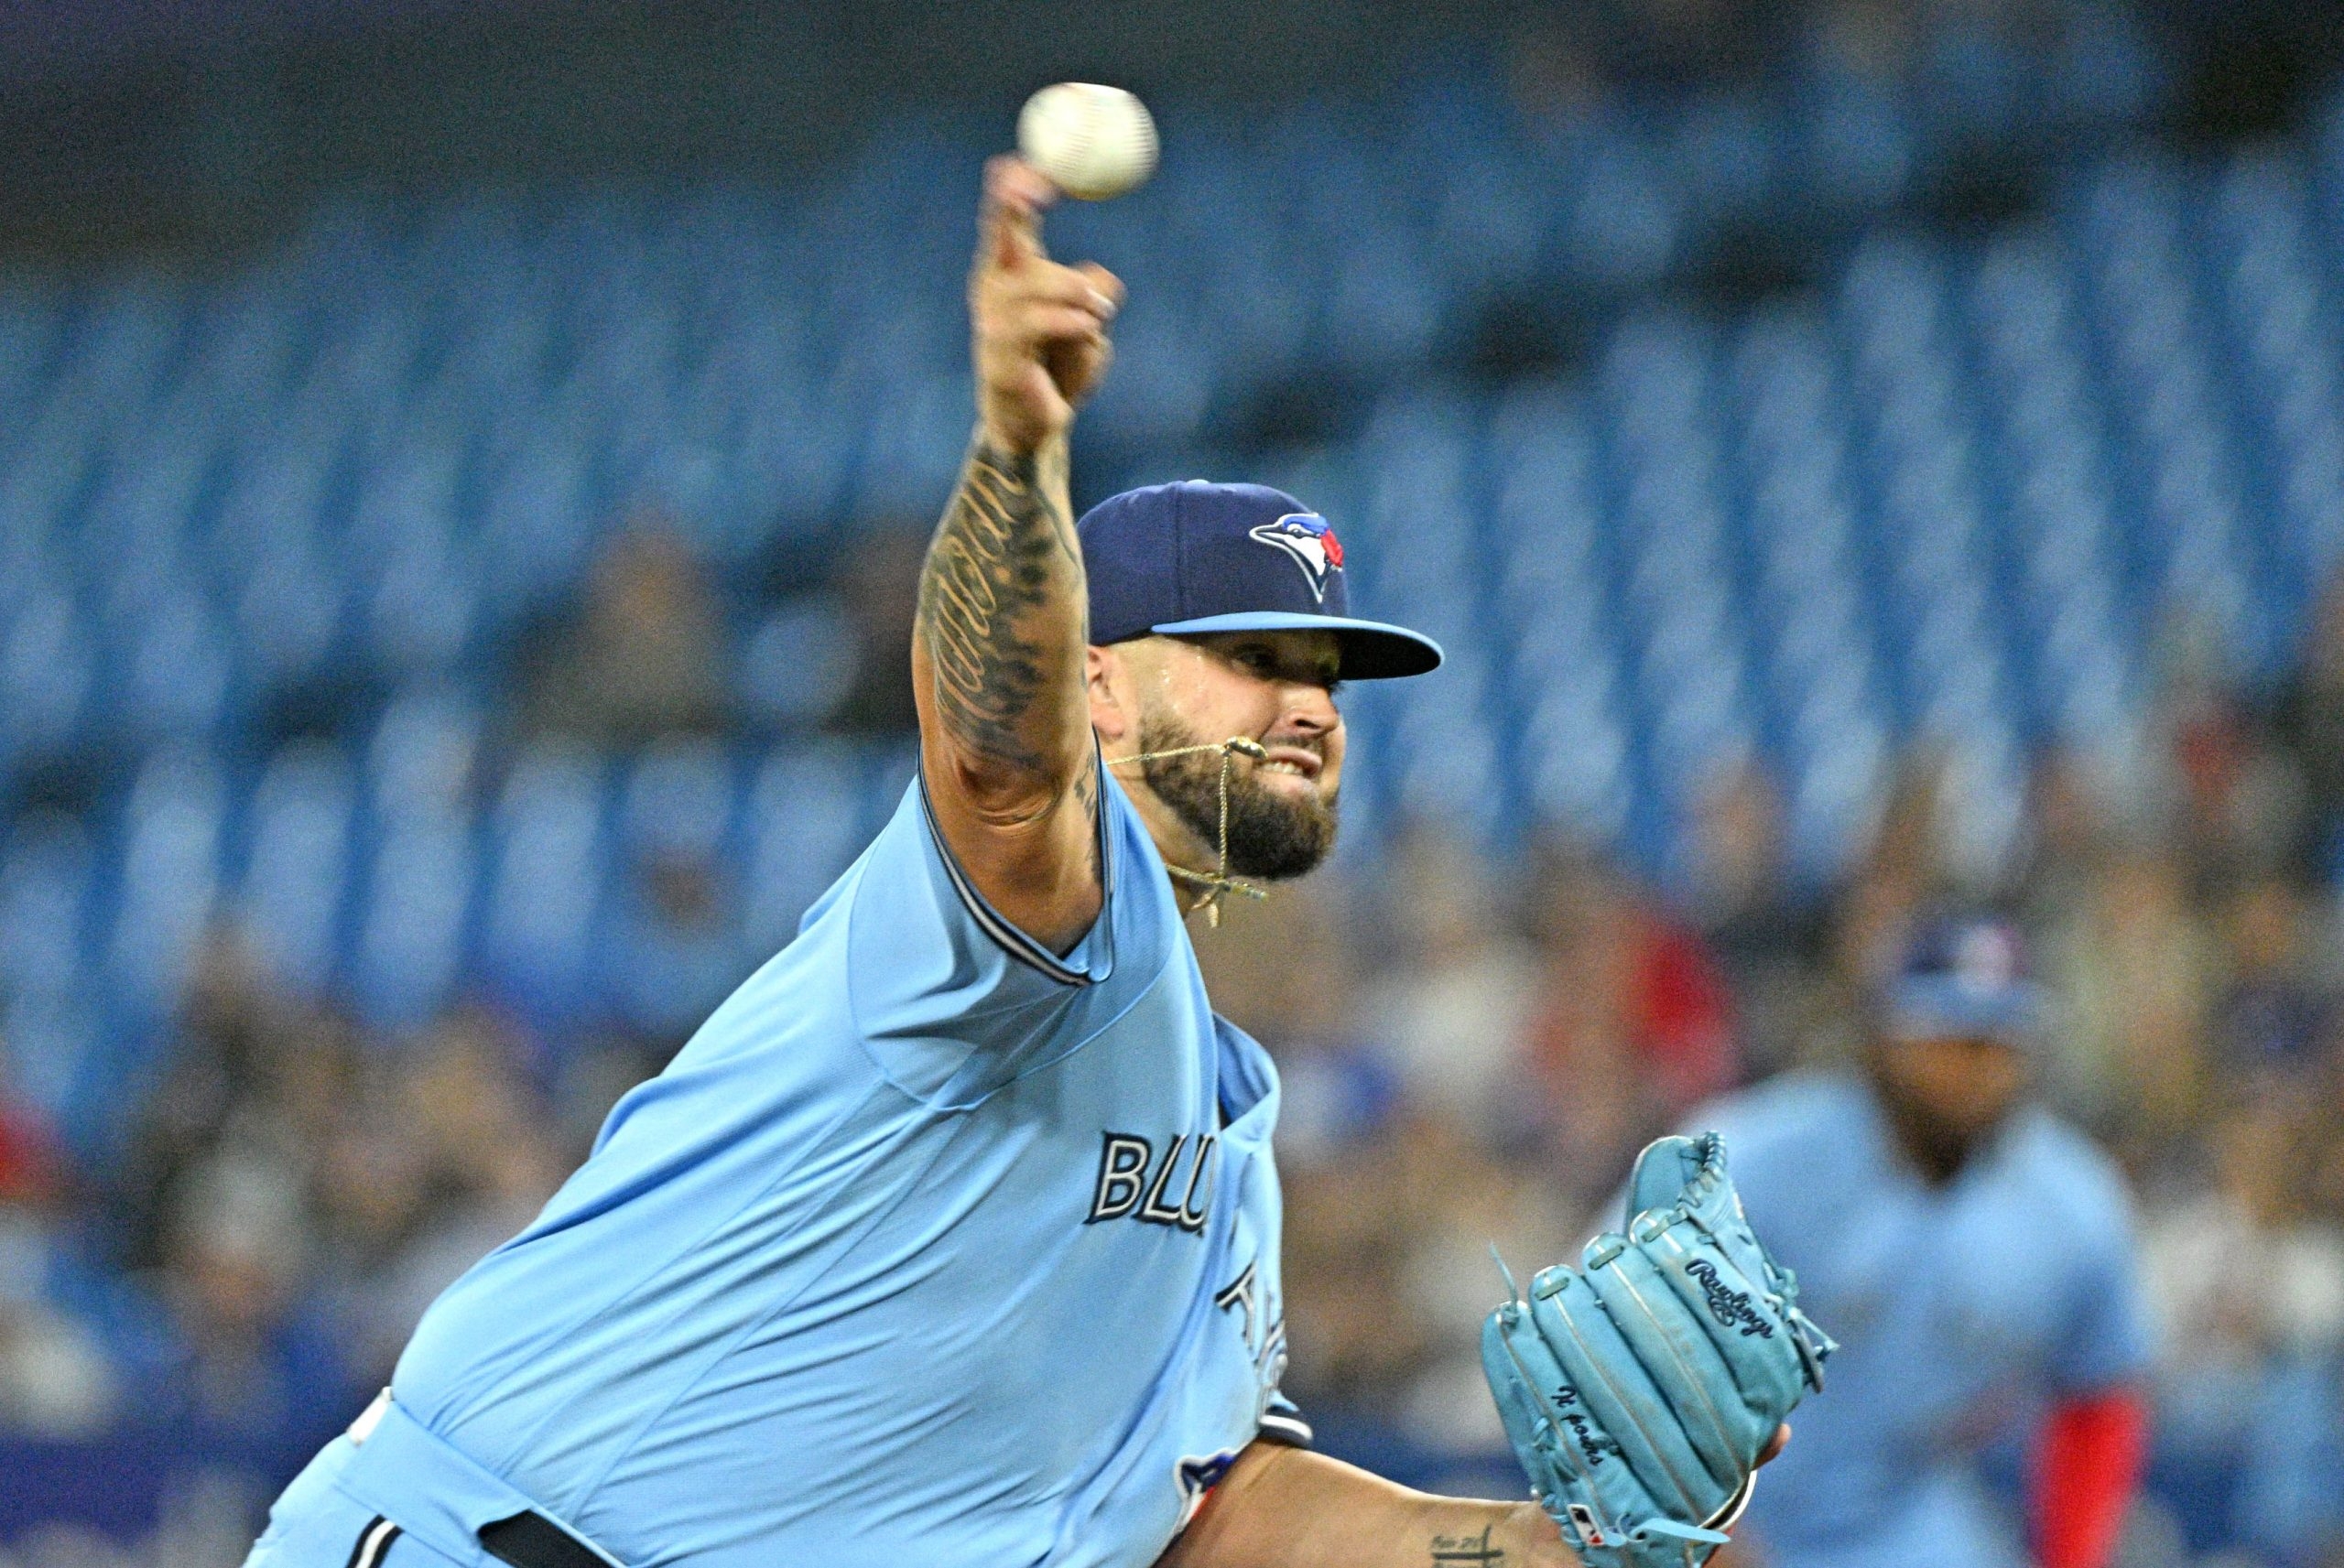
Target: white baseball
1093, 142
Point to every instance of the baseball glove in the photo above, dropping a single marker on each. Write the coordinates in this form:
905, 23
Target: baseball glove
1640, 1388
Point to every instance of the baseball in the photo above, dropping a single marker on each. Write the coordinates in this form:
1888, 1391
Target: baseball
1093, 142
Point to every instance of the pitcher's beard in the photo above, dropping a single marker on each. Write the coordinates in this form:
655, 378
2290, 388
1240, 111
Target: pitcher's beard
1270, 837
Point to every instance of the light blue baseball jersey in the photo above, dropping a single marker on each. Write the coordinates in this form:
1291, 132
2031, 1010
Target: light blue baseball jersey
1957, 1309
930, 1247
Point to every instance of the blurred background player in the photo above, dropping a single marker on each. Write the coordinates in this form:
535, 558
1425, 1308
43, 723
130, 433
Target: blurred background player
1980, 1251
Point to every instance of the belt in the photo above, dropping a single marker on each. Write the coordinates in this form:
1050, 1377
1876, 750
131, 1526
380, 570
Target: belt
532, 1541
414, 1477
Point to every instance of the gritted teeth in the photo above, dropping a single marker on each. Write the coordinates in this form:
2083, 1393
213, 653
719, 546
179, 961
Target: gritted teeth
1303, 761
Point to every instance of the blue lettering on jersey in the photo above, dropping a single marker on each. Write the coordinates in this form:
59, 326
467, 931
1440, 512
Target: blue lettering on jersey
1240, 1292
1265, 1341
1126, 1190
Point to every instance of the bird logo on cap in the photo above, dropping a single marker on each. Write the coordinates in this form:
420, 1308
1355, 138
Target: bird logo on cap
1986, 956
1309, 542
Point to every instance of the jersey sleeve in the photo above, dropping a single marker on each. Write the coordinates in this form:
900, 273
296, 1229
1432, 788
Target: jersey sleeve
950, 998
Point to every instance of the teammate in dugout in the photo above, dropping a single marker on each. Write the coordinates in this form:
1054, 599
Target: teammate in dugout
952, 1237
1974, 1254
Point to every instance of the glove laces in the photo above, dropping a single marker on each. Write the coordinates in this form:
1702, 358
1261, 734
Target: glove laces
1216, 884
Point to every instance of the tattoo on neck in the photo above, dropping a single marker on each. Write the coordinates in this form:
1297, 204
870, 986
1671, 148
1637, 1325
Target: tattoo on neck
1004, 553
1467, 1551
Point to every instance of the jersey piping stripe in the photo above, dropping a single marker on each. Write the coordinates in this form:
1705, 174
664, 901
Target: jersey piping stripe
1288, 1427
372, 1541
1006, 937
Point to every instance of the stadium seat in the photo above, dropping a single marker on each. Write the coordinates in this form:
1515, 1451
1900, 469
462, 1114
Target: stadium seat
1951, 493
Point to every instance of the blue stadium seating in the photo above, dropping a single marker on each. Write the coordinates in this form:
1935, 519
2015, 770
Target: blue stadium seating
1953, 497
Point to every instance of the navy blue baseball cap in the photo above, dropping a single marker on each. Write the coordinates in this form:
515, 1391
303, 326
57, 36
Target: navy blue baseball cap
1190, 558
1963, 977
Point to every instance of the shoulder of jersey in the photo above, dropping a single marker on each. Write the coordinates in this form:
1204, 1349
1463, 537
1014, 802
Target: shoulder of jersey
2081, 1178
1784, 1109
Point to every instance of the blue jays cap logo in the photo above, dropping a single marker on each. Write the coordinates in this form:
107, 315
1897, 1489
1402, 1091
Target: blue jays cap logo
1309, 542
1987, 956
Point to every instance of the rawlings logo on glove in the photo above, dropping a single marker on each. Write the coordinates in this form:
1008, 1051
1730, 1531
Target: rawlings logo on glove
1676, 1349
1729, 1307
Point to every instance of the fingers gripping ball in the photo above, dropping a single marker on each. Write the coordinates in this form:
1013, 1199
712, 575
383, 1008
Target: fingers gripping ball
1640, 1388
1093, 142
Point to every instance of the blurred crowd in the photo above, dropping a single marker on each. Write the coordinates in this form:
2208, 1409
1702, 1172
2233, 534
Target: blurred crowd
1472, 1048
1473, 1052
185, 1317
1568, 57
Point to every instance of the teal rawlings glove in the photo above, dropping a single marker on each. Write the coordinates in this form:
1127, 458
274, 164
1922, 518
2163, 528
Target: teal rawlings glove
1639, 1390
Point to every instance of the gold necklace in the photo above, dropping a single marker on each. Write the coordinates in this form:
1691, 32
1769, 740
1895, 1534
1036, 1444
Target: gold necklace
1217, 883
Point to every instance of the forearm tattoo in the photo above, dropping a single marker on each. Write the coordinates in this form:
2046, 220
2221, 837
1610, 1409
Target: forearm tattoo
1001, 606
1467, 1551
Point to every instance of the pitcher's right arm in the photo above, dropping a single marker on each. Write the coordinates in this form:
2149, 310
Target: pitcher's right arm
998, 649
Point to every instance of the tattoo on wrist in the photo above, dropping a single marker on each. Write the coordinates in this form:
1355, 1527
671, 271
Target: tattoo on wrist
1003, 551
1467, 1551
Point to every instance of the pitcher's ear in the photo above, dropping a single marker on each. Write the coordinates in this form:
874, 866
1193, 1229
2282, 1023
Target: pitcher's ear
1106, 681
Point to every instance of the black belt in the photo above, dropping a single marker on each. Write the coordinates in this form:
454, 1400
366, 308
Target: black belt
533, 1541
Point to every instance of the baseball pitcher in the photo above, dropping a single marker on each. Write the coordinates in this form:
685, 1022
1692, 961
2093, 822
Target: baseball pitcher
951, 1238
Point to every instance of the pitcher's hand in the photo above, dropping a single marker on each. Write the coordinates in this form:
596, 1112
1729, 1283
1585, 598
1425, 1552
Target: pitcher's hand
1038, 327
